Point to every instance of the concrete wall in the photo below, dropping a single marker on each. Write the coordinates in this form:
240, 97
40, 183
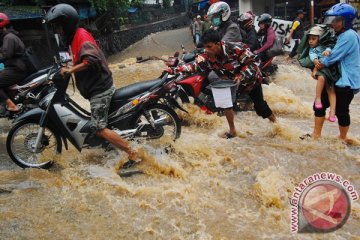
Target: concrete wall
110, 43
258, 7
118, 41
245, 5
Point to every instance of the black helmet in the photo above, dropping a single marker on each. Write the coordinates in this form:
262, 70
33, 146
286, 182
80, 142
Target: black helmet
266, 19
66, 16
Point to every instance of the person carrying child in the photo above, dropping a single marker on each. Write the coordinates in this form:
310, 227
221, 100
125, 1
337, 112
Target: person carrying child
325, 77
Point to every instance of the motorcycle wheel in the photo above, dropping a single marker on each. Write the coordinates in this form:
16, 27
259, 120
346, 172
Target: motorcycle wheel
167, 123
20, 144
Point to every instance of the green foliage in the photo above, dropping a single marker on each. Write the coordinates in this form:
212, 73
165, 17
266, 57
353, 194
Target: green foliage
166, 3
31, 2
137, 3
7, 2
110, 4
39, 2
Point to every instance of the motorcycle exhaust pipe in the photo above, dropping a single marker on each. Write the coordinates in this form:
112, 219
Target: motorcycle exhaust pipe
126, 133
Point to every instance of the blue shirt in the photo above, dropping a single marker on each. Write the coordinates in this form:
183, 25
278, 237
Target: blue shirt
347, 52
317, 53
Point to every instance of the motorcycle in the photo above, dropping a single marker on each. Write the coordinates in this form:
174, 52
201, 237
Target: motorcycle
27, 93
198, 87
135, 114
269, 68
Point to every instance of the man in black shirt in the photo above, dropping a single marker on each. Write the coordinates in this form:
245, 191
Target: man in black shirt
12, 51
296, 32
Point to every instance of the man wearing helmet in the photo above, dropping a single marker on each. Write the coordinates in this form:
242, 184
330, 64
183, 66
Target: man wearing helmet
347, 53
219, 13
246, 22
267, 33
93, 77
11, 53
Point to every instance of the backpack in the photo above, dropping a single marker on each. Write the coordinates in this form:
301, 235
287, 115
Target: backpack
277, 48
303, 50
31, 61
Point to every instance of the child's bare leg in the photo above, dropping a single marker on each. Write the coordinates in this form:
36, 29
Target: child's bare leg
332, 100
319, 88
314, 73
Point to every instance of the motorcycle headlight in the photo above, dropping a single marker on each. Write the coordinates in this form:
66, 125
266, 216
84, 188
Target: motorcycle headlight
44, 103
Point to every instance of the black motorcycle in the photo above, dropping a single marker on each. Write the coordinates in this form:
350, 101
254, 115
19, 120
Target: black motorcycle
135, 113
27, 93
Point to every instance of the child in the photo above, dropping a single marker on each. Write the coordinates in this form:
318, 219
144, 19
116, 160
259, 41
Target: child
325, 76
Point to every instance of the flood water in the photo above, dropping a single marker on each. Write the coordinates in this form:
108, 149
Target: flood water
206, 188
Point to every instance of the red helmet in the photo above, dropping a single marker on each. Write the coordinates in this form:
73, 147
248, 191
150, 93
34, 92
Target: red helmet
4, 20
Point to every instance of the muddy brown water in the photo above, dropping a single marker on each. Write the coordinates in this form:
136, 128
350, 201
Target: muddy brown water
206, 188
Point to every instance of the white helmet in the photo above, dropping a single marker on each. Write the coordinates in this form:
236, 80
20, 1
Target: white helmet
220, 8
316, 31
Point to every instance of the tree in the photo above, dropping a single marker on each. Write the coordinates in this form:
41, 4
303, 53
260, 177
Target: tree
110, 4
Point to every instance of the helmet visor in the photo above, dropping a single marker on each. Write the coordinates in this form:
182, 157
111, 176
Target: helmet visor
56, 28
331, 19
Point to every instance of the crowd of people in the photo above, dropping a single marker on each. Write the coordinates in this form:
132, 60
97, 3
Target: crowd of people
242, 30
230, 52
336, 69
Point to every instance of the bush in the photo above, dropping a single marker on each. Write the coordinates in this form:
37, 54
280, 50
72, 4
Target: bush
166, 3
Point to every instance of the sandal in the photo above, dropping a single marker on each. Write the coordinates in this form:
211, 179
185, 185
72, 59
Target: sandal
129, 172
318, 105
14, 110
129, 164
228, 136
331, 118
127, 169
305, 136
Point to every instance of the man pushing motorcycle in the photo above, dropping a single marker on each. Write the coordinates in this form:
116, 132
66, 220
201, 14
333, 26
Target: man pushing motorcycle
232, 61
93, 77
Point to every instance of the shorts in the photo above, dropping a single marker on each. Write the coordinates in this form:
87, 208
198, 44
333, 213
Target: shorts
99, 105
331, 74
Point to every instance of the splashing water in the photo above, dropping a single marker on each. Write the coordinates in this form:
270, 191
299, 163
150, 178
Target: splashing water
199, 187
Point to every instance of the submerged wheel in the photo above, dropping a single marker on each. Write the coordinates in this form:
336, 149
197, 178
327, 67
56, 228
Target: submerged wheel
167, 123
20, 145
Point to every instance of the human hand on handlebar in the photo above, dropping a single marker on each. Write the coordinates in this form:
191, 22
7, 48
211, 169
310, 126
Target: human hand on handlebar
74, 69
237, 79
199, 59
64, 71
170, 70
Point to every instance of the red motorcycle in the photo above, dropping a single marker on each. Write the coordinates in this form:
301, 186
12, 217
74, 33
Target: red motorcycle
197, 85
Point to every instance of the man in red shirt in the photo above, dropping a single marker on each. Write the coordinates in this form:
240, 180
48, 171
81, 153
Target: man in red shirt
93, 77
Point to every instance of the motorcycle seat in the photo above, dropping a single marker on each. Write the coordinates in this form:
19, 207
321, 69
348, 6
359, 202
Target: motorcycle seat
34, 75
136, 89
189, 57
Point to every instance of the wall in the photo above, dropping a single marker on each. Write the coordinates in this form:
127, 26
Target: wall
118, 41
245, 5
258, 7
264, 6
110, 43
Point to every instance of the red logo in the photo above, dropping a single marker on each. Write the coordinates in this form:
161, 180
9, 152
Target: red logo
325, 207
